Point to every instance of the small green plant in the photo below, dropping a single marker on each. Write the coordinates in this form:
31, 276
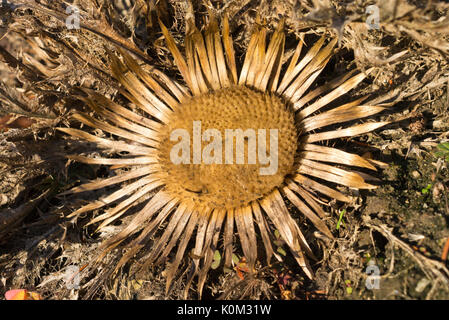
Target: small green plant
367, 257
340, 219
443, 151
278, 242
426, 189
348, 286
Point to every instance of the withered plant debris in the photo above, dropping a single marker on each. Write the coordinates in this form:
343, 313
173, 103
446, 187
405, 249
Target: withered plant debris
46, 70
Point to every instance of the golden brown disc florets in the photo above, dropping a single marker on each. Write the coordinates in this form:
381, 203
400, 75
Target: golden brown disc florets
243, 115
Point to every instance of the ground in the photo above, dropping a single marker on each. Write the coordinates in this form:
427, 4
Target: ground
397, 231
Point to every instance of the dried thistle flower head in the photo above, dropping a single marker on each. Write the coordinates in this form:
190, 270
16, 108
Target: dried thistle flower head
220, 184
204, 201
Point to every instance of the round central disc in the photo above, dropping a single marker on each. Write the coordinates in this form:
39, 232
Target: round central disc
227, 148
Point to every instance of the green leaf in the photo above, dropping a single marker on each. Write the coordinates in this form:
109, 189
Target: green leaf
281, 251
426, 189
217, 259
340, 219
443, 146
277, 234
235, 258
348, 286
443, 151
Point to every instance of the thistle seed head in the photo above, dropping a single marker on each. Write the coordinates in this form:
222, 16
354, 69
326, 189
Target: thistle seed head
220, 184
